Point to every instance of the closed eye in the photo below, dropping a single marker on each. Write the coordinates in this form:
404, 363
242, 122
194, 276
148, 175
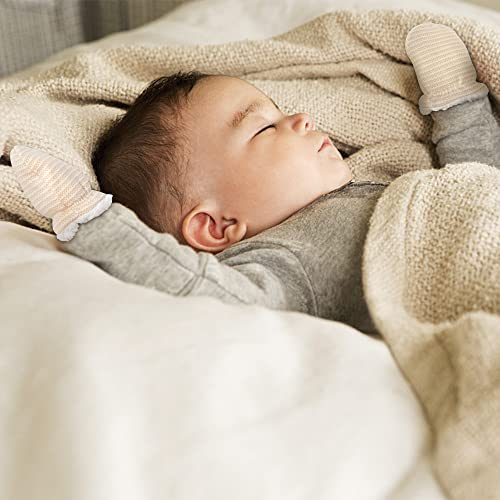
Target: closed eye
265, 128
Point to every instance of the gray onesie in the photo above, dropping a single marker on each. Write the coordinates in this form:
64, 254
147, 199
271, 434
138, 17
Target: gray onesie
310, 263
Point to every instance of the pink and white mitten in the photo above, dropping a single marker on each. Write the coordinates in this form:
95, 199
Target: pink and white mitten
58, 190
443, 66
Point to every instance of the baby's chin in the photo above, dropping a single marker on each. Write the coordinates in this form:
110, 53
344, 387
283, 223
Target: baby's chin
337, 154
340, 174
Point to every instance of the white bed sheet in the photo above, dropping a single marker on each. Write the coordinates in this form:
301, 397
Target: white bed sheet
111, 390
114, 391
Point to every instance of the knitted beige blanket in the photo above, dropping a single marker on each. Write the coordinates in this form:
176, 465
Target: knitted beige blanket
431, 266
431, 271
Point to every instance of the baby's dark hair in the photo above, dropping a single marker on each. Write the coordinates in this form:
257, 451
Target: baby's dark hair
142, 158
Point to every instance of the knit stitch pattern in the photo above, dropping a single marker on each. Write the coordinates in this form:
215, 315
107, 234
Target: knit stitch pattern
431, 277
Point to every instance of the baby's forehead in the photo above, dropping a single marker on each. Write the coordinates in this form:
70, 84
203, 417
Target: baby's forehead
226, 100
228, 89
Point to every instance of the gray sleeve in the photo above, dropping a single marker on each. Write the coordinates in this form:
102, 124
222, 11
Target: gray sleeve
467, 132
122, 245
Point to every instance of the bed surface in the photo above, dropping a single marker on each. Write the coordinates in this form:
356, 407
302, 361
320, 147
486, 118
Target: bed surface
114, 389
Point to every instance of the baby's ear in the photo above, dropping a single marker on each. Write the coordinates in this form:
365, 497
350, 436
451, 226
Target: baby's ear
204, 229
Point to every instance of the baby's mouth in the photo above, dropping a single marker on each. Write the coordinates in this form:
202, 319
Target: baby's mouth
325, 144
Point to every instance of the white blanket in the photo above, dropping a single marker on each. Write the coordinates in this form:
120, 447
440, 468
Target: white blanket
114, 391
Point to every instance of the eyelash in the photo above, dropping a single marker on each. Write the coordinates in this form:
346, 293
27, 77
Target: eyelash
265, 128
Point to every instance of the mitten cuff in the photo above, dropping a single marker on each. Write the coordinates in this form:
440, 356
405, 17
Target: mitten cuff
65, 223
476, 90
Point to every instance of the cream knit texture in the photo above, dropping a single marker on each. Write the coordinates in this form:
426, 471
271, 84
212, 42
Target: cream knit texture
349, 69
431, 276
443, 66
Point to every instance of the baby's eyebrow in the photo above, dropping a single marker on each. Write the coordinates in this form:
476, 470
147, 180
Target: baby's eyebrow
251, 108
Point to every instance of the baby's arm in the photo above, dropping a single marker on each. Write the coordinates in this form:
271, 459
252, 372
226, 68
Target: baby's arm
121, 244
464, 127
467, 132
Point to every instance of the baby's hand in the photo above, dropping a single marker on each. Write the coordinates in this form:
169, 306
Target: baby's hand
443, 67
58, 190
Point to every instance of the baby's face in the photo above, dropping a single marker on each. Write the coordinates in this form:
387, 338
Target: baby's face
254, 169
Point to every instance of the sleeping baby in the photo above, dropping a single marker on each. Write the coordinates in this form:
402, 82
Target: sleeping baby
217, 192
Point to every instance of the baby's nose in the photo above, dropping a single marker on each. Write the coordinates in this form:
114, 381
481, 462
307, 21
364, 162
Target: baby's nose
305, 121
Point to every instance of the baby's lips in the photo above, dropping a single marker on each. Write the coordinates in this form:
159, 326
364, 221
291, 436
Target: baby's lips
326, 141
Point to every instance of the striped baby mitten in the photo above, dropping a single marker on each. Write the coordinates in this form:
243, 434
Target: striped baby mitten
443, 66
58, 190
